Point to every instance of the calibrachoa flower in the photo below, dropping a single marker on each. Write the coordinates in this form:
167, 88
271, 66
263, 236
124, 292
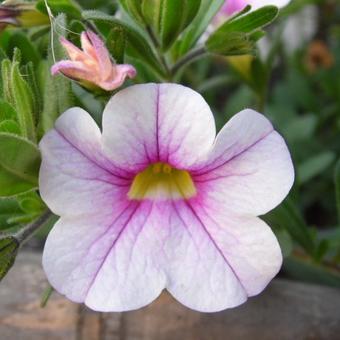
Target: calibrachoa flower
156, 201
231, 7
92, 65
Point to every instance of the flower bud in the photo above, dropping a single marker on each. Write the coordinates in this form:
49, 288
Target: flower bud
92, 66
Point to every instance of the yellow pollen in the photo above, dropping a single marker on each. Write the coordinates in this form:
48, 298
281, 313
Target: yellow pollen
157, 168
167, 169
160, 181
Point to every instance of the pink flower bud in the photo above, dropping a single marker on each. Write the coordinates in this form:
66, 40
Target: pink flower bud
92, 64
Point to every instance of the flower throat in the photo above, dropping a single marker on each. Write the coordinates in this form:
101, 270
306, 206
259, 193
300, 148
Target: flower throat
160, 181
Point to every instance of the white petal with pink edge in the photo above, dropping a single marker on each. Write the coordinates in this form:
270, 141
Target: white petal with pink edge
112, 261
117, 252
249, 170
148, 123
123, 259
75, 177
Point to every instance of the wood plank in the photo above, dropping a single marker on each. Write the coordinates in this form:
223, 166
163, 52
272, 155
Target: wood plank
286, 310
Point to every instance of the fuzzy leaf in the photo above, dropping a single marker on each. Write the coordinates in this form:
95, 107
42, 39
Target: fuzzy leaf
17, 92
134, 9
199, 25
238, 36
10, 126
7, 111
9, 207
116, 43
28, 50
68, 7
57, 92
19, 165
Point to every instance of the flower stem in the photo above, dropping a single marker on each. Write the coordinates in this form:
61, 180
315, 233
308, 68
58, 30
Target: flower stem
188, 58
25, 233
157, 48
46, 296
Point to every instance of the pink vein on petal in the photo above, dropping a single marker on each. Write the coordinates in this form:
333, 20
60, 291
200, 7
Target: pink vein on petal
205, 169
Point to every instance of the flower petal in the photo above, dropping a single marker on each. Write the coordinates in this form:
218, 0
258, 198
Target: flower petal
111, 261
72, 50
144, 124
249, 170
119, 74
95, 47
74, 175
122, 257
73, 69
200, 275
246, 243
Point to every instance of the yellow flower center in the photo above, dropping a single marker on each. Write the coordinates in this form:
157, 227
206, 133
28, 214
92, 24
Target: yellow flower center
161, 181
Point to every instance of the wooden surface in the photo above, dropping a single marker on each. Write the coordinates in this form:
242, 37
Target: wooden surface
286, 310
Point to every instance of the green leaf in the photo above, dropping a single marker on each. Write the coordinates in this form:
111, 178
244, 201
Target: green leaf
9, 207
19, 95
31, 203
2, 53
68, 7
230, 44
22, 209
21, 219
151, 13
199, 25
8, 250
314, 166
337, 187
136, 43
174, 17
23, 102
134, 9
285, 241
288, 217
304, 269
116, 43
57, 90
19, 165
250, 22
50, 111
33, 83
321, 250
28, 50
300, 128
10, 126
238, 36
6, 66
7, 111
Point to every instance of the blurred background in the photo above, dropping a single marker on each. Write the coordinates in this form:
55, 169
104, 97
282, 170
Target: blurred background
294, 79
